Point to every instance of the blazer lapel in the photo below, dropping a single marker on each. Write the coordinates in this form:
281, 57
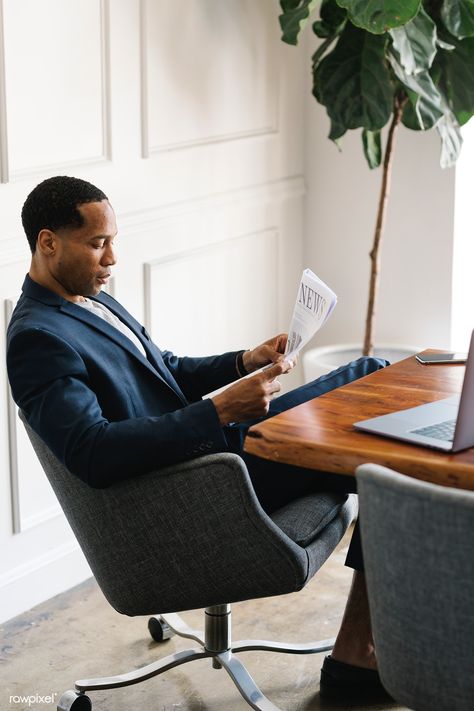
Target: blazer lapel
113, 333
33, 290
141, 333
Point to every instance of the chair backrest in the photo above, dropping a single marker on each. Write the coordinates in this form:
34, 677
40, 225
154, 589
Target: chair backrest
418, 545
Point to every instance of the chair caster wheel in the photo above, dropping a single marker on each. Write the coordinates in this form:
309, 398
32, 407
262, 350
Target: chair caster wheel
74, 701
159, 630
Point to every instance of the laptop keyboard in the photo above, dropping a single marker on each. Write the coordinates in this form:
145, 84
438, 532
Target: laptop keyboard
442, 430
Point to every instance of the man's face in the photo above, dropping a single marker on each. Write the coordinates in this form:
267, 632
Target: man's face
83, 256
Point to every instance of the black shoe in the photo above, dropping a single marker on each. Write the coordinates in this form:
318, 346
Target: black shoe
347, 683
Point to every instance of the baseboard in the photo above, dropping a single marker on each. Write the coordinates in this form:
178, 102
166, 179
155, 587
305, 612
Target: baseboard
40, 579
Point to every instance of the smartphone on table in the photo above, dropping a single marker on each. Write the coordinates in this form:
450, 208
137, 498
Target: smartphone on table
432, 358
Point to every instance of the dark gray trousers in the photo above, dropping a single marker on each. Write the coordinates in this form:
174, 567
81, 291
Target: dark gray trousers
276, 484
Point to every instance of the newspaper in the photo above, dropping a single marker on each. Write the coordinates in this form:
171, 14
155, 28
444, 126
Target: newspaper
314, 304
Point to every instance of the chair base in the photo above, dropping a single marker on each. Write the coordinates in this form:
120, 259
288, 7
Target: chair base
215, 643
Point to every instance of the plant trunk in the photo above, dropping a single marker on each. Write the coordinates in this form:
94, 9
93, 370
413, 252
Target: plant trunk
368, 348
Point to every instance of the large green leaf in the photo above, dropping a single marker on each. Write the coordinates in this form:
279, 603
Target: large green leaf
410, 115
458, 16
457, 69
415, 43
294, 18
337, 131
451, 140
417, 115
372, 144
332, 19
353, 81
430, 104
378, 16
321, 51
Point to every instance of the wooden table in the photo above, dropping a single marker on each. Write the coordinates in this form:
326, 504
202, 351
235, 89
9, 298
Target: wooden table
319, 434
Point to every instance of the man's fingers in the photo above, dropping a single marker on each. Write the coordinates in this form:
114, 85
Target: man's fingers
273, 371
275, 387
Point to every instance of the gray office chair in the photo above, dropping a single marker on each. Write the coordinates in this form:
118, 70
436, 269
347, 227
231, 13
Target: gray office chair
194, 536
418, 544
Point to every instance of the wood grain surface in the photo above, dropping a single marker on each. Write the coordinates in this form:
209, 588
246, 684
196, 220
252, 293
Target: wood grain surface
320, 434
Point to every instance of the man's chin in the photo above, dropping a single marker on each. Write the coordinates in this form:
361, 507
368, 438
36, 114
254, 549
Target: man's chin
93, 290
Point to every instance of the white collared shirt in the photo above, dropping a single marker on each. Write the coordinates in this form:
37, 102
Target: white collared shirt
103, 312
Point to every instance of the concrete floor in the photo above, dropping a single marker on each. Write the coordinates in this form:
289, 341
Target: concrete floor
78, 635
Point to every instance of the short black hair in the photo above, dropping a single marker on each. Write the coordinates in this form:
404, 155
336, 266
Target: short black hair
53, 204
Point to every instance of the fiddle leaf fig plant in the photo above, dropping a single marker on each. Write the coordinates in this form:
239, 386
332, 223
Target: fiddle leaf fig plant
387, 63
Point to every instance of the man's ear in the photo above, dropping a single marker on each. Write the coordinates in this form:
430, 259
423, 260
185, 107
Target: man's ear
46, 242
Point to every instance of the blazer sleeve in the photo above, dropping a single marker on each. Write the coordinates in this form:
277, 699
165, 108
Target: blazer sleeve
50, 383
199, 376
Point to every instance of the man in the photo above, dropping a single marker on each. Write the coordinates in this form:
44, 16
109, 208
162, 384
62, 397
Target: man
110, 404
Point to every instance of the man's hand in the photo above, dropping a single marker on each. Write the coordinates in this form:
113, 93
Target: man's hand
269, 352
250, 397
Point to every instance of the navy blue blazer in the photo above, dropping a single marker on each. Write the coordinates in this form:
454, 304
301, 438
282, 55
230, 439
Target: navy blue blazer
106, 411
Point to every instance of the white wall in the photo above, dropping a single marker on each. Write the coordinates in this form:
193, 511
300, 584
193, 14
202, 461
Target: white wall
463, 293
342, 197
190, 120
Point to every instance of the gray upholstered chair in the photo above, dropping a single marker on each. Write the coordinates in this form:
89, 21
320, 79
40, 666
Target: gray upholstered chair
418, 544
194, 536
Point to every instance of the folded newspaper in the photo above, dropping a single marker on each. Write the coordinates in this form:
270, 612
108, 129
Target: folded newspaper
314, 304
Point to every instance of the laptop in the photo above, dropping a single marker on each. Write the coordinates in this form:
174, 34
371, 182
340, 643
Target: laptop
445, 424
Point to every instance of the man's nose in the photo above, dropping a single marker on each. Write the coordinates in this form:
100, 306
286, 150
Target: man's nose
109, 258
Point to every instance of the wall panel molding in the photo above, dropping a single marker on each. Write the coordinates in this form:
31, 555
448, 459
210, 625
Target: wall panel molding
21, 522
143, 80
9, 174
15, 249
106, 71
274, 191
3, 107
148, 148
88, 87
205, 315
12, 441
